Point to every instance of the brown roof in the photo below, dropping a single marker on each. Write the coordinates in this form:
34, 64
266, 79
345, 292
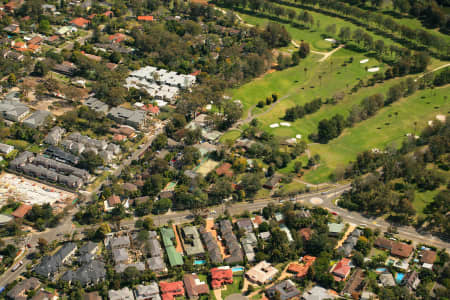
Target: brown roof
383, 243
129, 187
21, 211
43, 295
401, 249
224, 169
126, 131
53, 38
355, 284
80, 22
36, 40
92, 296
194, 287
305, 233
427, 256
114, 200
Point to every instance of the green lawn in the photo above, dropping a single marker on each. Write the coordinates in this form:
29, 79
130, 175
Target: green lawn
233, 288
421, 199
230, 135
383, 129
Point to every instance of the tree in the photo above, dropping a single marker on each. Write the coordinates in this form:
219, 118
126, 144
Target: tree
251, 183
276, 35
162, 206
304, 50
159, 142
12, 80
90, 161
44, 26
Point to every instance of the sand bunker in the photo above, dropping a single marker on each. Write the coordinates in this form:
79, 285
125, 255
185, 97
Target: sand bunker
364, 61
372, 70
274, 125
298, 136
285, 124
330, 40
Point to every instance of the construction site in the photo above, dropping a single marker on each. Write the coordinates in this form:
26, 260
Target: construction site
20, 189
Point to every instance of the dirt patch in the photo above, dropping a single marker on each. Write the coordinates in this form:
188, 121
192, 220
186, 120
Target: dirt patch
179, 248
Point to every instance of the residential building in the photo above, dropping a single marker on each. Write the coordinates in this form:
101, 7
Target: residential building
318, 293
92, 296
61, 156
120, 256
305, 233
139, 266
350, 242
341, 270
221, 276
262, 273
134, 118
80, 22
97, 105
18, 292
302, 268
54, 136
245, 224
234, 248
88, 274
89, 248
386, 280
285, 290
145, 18
355, 284
411, 280
194, 286
211, 245
50, 265
288, 233
45, 295
21, 211
401, 250
191, 241
6, 149
168, 236
157, 264
427, 256
272, 182
123, 294
224, 170
147, 292
120, 242
13, 110
65, 68
335, 229
170, 290
249, 242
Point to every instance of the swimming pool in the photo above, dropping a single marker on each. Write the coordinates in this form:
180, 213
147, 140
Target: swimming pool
399, 277
237, 269
390, 261
380, 270
199, 262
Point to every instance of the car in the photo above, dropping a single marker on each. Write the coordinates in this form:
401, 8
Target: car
18, 265
213, 212
334, 213
29, 245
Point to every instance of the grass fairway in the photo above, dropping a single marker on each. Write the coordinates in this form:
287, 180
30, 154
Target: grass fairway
230, 135
385, 128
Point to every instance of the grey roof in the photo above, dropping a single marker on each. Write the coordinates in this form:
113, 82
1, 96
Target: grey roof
387, 279
51, 264
156, 264
23, 286
123, 294
147, 292
6, 148
61, 155
37, 119
194, 246
85, 258
13, 110
317, 293
154, 247
249, 238
286, 289
211, 245
135, 118
120, 268
120, 242
264, 235
54, 136
234, 248
92, 272
245, 224
89, 247
120, 255
97, 105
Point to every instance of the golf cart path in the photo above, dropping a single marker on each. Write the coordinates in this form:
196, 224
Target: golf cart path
434, 70
324, 54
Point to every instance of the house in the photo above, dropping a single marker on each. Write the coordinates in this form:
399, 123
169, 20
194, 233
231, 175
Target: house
355, 284
120, 242
341, 270
97, 105
151, 109
168, 236
264, 235
123, 294
120, 256
18, 292
335, 229
49, 8
147, 292
234, 249
191, 241
249, 242
111, 202
89, 248
139, 266
61, 156
401, 250
6, 149
65, 30
194, 286
50, 265
305, 233
13, 110
221, 276
262, 273
225, 169
411, 280
80, 22
170, 290
92, 296
427, 256
14, 55
211, 245
386, 280
45, 295
302, 269
157, 264
272, 182
288, 233
383, 243
54, 136
285, 290
145, 18
350, 242
134, 118
13, 28
318, 293
52, 39
21, 211
90, 273
245, 225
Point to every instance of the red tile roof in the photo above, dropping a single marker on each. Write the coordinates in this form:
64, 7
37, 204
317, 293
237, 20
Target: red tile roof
428, 256
108, 13
117, 37
113, 200
35, 41
119, 137
302, 269
111, 65
153, 109
80, 22
22, 211
93, 57
53, 38
145, 18
170, 290
220, 277
401, 249
90, 17
305, 233
196, 73
342, 269
33, 47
